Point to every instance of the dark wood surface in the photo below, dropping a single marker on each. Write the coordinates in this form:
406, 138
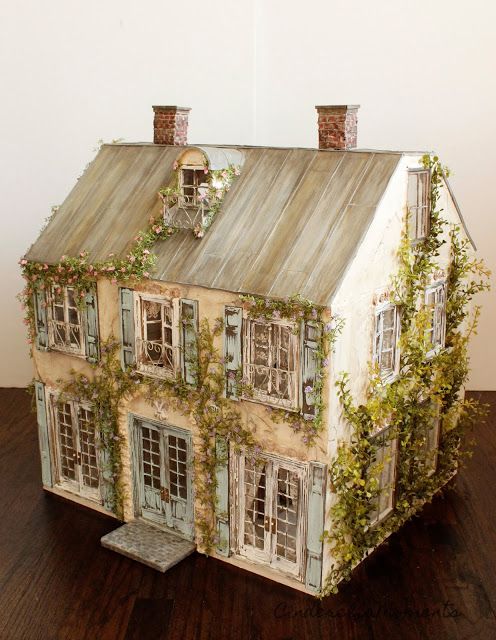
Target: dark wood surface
435, 579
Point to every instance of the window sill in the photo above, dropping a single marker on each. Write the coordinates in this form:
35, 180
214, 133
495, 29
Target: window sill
159, 373
270, 403
67, 352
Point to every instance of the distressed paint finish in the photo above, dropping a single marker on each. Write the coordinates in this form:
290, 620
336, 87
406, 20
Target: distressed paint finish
233, 327
41, 320
189, 349
222, 494
310, 337
278, 193
43, 435
315, 525
127, 327
92, 342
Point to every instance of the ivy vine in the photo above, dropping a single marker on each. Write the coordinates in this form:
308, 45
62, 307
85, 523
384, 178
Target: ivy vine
427, 387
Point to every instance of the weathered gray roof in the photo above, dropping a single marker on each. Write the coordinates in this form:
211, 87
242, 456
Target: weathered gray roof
291, 223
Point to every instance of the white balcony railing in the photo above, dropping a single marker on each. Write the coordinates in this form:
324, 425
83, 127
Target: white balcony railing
155, 357
185, 211
65, 336
273, 386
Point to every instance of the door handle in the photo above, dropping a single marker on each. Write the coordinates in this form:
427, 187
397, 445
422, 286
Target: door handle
270, 524
164, 494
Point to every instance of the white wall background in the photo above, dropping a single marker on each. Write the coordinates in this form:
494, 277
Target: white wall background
252, 70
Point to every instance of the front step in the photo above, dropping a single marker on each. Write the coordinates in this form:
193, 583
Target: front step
149, 545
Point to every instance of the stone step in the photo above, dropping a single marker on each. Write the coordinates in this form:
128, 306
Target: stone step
149, 545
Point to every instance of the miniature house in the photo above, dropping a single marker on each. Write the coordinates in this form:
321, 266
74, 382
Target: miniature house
247, 224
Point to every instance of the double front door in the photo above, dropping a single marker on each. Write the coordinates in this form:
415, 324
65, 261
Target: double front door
163, 467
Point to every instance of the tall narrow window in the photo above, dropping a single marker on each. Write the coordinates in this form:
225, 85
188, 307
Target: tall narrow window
430, 432
270, 362
156, 350
435, 300
65, 327
418, 204
386, 338
382, 474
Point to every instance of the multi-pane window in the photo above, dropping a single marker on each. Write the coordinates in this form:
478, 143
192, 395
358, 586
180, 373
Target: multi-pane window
156, 352
65, 327
76, 447
435, 301
418, 204
194, 186
382, 474
430, 433
271, 512
386, 340
270, 362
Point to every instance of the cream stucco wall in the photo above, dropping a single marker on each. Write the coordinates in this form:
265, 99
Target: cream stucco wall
365, 284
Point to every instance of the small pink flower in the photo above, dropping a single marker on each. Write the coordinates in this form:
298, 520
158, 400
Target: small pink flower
123, 269
175, 165
146, 252
113, 281
81, 294
59, 290
24, 261
111, 268
205, 169
158, 229
146, 274
132, 259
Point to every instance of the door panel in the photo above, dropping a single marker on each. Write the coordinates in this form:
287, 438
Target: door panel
165, 489
66, 441
271, 512
89, 474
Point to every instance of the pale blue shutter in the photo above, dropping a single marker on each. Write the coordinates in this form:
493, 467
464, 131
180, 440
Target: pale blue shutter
107, 492
315, 525
233, 322
92, 339
222, 504
41, 411
127, 327
309, 365
41, 320
189, 348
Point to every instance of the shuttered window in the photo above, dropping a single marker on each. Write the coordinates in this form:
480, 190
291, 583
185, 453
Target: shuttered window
435, 301
270, 362
386, 339
382, 474
156, 342
418, 204
65, 327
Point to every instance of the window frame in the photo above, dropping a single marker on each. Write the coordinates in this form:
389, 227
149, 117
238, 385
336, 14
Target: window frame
387, 375
394, 445
431, 447
76, 485
150, 369
293, 403
194, 200
52, 321
436, 323
423, 208
268, 556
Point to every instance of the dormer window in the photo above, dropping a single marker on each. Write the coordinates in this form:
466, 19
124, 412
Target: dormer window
418, 204
194, 182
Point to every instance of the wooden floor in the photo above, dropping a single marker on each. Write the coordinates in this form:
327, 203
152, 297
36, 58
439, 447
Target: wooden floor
435, 579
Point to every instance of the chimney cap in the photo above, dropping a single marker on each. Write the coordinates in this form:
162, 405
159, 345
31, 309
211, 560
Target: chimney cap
171, 107
337, 107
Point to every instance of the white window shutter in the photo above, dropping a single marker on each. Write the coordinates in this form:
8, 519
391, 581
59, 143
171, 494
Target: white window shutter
188, 310
222, 494
309, 366
315, 525
41, 319
233, 324
92, 343
43, 435
127, 327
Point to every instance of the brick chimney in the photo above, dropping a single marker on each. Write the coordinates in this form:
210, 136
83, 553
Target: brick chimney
170, 125
338, 126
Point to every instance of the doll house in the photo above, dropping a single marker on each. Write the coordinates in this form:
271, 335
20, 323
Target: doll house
192, 311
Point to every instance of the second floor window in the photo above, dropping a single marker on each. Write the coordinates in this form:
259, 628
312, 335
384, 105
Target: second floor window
386, 339
270, 362
64, 321
435, 300
418, 204
156, 348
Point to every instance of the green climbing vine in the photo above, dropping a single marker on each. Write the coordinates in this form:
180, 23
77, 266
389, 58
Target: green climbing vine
427, 389
298, 310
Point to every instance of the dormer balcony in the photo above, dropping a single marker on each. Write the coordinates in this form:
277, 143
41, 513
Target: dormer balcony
185, 211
